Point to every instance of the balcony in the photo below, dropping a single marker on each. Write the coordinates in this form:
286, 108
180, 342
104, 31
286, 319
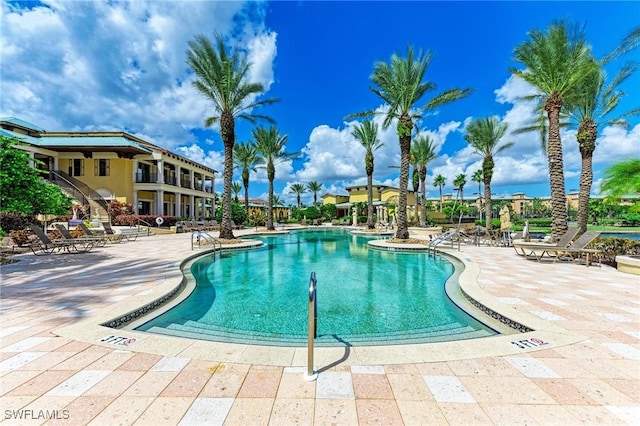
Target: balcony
146, 177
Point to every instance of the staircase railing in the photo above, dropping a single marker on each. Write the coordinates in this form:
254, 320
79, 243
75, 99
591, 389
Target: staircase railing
78, 189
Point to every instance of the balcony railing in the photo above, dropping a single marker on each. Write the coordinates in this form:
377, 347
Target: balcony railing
146, 177
170, 180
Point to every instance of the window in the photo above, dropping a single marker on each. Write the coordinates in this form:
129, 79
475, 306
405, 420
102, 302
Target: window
76, 167
101, 167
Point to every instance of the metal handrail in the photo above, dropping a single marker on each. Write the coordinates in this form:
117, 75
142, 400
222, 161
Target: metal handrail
313, 326
62, 179
205, 236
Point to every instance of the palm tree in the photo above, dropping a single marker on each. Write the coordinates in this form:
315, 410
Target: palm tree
477, 177
314, 187
439, 181
244, 158
367, 134
399, 84
415, 181
298, 189
423, 152
593, 104
622, 178
555, 65
221, 77
236, 187
459, 182
484, 135
270, 145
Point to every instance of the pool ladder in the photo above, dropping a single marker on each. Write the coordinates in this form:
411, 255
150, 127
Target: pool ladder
439, 239
200, 237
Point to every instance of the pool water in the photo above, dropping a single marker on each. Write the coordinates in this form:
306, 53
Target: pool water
365, 296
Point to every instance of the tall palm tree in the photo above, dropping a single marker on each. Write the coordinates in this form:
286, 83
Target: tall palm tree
423, 152
554, 64
415, 182
222, 77
270, 145
236, 187
400, 85
459, 182
314, 187
440, 182
590, 109
367, 134
477, 177
484, 134
244, 158
298, 189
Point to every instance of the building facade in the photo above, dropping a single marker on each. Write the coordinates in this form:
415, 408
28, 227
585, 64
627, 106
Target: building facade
116, 166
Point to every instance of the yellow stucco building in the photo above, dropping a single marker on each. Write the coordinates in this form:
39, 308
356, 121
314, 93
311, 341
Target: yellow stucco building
98, 167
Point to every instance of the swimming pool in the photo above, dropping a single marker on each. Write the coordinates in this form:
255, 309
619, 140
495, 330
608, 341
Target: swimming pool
365, 297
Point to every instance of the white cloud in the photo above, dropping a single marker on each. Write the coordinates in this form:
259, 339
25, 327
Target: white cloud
119, 65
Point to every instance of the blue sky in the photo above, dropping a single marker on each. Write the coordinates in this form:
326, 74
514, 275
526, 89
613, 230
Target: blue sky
87, 66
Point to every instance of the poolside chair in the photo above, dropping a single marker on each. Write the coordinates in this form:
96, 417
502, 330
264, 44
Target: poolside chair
578, 249
537, 251
44, 244
115, 238
97, 241
109, 231
234, 226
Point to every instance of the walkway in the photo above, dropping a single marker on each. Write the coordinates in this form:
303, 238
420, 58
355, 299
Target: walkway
48, 371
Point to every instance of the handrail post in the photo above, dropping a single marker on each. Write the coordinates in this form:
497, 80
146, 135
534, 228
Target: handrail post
313, 322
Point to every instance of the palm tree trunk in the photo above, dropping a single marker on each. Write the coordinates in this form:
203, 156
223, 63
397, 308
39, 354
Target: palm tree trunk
423, 206
271, 173
487, 204
587, 134
405, 152
370, 224
559, 225
228, 138
245, 181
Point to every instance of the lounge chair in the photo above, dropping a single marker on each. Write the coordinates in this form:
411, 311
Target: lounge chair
127, 236
234, 226
577, 249
44, 244
97, 241
537, 251
115, 238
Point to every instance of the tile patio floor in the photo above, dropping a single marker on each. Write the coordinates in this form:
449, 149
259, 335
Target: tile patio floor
46, 371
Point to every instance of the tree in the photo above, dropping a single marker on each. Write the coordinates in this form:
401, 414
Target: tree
415, 182
222, 78
298, 189
236, 187
590, 108
622, 178
459, 182
439, 181
314, 187
400, 85
367, 134
423, 152
22, 189
244, 158
484, 135
477, 177
555, 63
270, 145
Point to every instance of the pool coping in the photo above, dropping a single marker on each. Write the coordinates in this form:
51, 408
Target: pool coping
545, 335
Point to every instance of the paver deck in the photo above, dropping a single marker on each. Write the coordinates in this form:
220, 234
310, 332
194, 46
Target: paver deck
54, 368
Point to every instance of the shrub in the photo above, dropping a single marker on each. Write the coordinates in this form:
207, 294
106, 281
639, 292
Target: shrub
611, 247
15, 221
20, 237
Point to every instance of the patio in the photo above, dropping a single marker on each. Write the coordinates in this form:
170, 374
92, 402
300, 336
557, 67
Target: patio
94, 378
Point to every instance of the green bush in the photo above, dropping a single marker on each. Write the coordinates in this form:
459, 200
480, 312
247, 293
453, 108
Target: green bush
238, 213
612, 247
